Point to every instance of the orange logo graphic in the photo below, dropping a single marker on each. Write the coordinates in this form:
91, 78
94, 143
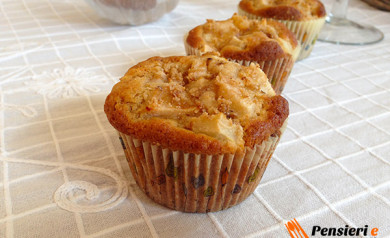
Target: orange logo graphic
295, 230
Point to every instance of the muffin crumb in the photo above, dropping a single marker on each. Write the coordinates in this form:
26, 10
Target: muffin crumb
196, 104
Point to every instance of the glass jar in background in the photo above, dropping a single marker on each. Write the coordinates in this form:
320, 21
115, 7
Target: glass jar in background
132, 12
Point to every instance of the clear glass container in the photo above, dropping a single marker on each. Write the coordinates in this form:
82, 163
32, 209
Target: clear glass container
339, 30
132, 12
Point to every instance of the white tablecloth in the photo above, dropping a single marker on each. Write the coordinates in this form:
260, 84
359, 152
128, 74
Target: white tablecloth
59, 60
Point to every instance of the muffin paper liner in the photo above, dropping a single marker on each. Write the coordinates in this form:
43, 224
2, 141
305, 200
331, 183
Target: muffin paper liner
128, 16
277, 71
306, 32
200, 183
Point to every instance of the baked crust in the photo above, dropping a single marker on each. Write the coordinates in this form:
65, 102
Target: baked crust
257, 131
219, 109
240, 38
291, 10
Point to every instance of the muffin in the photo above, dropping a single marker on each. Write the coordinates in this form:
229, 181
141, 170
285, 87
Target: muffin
303, 17
197, 131
132, 12
267, 42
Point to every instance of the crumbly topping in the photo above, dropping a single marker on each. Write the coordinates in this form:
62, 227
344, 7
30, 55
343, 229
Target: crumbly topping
239, 35
205, 95
285, 9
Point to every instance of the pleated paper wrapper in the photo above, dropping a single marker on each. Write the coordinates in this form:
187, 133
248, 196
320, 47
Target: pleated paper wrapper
198, 183
277, 71
306, 32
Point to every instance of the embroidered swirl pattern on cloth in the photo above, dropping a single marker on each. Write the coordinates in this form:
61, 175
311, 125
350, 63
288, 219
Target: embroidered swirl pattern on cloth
63, 172
63, 193
27, 111
66, 83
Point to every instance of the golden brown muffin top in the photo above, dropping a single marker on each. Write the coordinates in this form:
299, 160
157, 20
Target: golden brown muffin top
240, 38
196, 104
293, 10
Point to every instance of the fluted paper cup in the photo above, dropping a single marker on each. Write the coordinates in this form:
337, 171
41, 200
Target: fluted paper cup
199, 183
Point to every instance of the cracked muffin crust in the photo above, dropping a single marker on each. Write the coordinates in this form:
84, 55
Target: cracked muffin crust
304, 18
240, 38
292, 10
266, 42
196, 104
